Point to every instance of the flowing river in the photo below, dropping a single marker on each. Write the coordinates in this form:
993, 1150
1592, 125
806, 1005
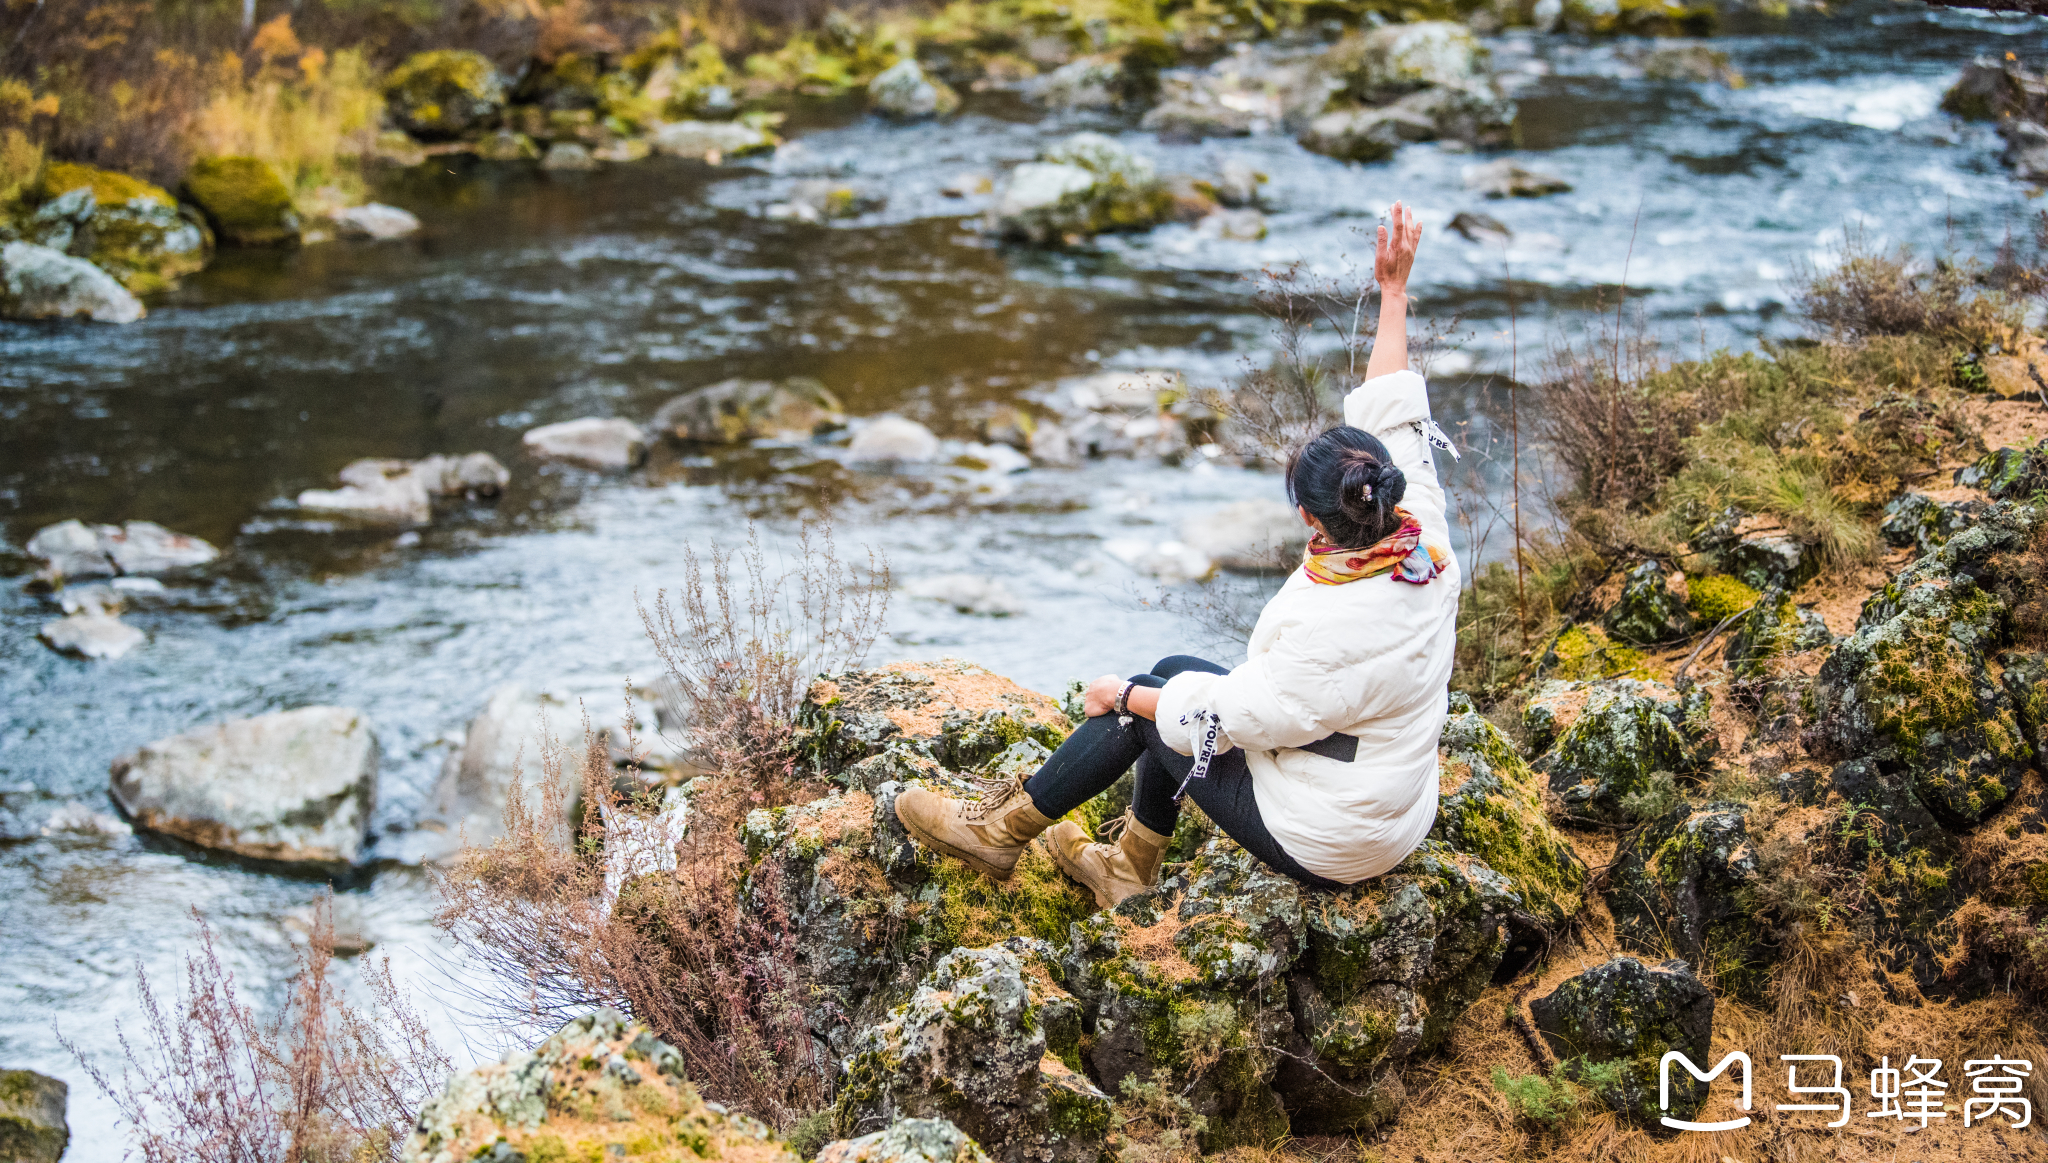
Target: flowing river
533, 298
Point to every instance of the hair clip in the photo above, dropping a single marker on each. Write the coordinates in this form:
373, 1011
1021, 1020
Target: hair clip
1368, 492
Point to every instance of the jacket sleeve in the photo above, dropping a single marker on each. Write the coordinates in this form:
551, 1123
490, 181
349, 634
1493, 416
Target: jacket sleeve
1284, 697
1395, 408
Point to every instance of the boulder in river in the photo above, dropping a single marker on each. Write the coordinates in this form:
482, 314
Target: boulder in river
37, 282
1082, 186
294, 786
569, 156
244, 200
73, 549
1630, 1014
592, 442
1366, 135
595, 1086
902, 91
968, 593
383, 491
32, 1124
738, 410
507, 145
93, 636
125, 226
1249, 536
892, 439
374, 221
709, 139
445, 94
1383, 64
1506, 178
504, 745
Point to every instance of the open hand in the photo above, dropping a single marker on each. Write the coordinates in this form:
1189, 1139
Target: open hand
1394, 256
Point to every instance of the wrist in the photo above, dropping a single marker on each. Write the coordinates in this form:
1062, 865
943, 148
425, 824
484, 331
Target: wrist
1394, 294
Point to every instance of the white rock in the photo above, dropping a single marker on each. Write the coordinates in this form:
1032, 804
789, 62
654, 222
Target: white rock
99, 636
1036, 185
903, 91
1051, 445
968, 594
591, 442
567, 155
81, 820
1233, 226
503, 743
1086, 83
1239, 184
400, 499
701, 139
1170, 561
374, 220
37, 282
71, 548
103, 599
384, 491
296, 786
1506, 179
887, 438
75, 549
1249, 536
636, 846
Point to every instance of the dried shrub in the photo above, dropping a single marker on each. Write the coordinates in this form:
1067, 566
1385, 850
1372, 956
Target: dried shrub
296, 107
1607, 420
1869, 292
718, 977
323, 1081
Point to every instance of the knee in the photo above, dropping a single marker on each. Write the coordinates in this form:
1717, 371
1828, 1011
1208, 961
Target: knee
1151, 680
1174, 664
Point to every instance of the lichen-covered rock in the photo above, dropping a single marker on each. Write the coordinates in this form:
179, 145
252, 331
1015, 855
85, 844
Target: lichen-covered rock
1678, 883
37, 282
32, 1126
902, 91
2024, 674
244, 200
907, 1141
1631, 1013
1386, 63
914, 718
125, 226
1490, 805
1084, 185
991, 1043
1917, 521
1764, 560
1773, 628
737, 410
2015, 472
1610, 736
598, 1088
1647, 611
445, 94
1911, 688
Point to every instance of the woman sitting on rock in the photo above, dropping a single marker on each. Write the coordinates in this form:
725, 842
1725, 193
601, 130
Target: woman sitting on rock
1318, 754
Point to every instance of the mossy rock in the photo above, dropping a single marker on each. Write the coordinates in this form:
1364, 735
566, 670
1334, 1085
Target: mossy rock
1639, 18
1773, 628
1081, 186
2015, 472
445, 94
1631, 1013
1647, 611
1717, 596
1580, 652
989, 1041
736, 411
1680, 884
32, 1125
946, 715
1917, 521
1490, 805
600, 1087
127, 227
1612, 736
244, 200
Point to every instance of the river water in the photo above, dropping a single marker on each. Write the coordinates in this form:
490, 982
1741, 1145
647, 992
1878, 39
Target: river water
529, 299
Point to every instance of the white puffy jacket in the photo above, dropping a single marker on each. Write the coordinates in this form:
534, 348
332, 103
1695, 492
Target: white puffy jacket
1369, 658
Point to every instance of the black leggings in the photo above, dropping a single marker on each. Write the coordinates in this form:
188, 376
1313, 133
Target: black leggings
1098, 753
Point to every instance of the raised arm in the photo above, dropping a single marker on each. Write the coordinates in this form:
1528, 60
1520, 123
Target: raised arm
1393, 258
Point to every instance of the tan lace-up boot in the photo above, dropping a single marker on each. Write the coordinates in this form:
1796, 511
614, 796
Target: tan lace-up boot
1117, 870
989, 833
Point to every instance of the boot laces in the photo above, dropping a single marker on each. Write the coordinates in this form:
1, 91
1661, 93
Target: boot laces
1112, 831
992, 792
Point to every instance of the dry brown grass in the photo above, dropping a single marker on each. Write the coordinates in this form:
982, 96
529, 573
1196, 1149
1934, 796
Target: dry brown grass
322, 1081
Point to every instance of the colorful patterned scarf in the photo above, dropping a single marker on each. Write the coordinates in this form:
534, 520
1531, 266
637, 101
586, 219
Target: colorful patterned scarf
1402, 553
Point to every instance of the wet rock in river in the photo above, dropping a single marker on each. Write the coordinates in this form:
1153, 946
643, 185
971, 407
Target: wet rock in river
1628, 1013
72, 549
37, 282
968, 594
908, 1141
1366, 135
1690, 62
1383, 64
735, 411
1091, 82
295, 786
819, 200
445, 94
903, 92
1249, 536
975, 1044
596, 1083
1476, 227
1082, 186
1237, 185
568, 155
382, 491
592, 442
709, 139
1507, 179
507, 146
32, 1124
374, 221
244, 200
893, 439
92, 636
510, 743
123, 225
1233, 226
